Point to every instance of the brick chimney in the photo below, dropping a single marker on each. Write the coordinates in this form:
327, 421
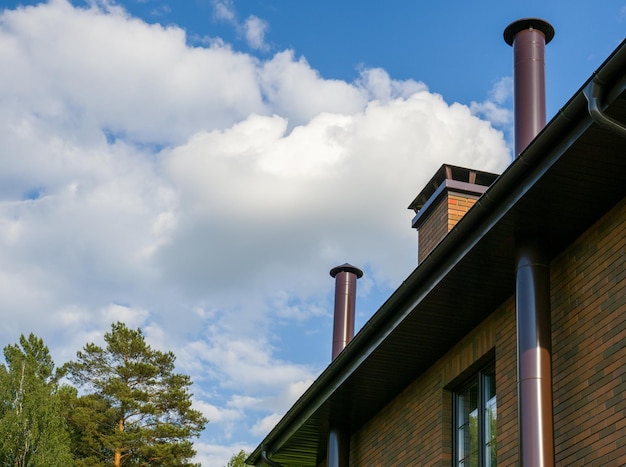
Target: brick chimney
444, 201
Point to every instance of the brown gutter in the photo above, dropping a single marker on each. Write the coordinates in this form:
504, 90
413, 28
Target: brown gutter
593, 93
532, 276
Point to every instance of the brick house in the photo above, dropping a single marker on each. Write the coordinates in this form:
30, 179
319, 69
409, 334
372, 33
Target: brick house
453, 369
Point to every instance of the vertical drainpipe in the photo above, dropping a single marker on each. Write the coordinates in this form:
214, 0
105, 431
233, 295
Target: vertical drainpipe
346, 275
534, 348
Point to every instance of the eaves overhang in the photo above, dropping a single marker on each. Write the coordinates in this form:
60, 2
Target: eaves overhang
571, 174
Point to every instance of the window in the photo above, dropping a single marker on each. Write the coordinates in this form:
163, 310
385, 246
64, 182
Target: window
475, 415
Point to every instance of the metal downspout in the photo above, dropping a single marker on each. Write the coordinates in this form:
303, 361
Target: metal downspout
338, 447
593, 93
268, 461
532, 274
534, 351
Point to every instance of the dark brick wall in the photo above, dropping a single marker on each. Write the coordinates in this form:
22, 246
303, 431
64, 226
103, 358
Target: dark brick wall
434, 228
589, 346
506, 385
589, 369
415, 428
451, 208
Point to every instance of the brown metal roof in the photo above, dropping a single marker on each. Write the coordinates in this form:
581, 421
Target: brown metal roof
572, 173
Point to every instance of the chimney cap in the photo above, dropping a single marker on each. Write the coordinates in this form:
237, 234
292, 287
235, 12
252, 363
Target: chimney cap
451, 172
528, 23
346, 267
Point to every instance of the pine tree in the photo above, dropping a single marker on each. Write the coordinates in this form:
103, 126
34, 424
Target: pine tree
32, 426
137, 410
87, 418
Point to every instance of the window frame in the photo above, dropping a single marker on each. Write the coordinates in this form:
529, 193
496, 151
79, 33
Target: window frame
476, 377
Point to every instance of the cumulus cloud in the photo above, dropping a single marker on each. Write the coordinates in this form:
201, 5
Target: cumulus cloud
83, 70
287, 184
297, 90
378, 85
203, 194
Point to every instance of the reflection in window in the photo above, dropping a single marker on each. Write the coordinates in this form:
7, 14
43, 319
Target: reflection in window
475, 421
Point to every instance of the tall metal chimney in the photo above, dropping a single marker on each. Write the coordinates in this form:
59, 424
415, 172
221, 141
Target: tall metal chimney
528, 37
345, 298
346, 275
532, 274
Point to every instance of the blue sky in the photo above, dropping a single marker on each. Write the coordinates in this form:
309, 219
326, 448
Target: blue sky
195, 168
450, 45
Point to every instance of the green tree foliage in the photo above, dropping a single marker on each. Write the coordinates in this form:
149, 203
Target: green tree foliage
137, 410
238, 460
87, 418
32, 426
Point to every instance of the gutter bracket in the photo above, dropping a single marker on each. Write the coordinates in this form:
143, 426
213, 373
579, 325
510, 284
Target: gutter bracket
267, 460
593, 93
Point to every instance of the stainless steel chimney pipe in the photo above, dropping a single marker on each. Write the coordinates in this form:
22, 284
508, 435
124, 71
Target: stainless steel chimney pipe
346, 275
345, 299
528, 37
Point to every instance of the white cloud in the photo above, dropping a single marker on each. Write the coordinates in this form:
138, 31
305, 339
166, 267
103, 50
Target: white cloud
133, 318
298, 91
238, 364
309, 193
224, 10
255, 29
217, 414
264, 425
378, 85
211, 454
135, 80
204, 194
493, 108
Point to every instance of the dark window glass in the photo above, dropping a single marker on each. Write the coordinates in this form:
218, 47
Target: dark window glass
475, 416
